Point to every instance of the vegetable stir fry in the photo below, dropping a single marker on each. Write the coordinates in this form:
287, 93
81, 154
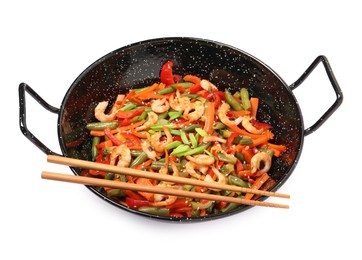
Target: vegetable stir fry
183, 126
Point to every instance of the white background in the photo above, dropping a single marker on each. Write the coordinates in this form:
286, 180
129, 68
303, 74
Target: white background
47, 44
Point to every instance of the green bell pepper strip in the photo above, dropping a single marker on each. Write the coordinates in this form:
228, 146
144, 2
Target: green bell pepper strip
172, 145
244, 95
237, 181
232, 101
96, 140
160, 211
141, 158
102, 125
227, 158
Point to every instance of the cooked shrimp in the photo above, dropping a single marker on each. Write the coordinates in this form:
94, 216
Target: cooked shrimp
160, 105
211, 138
100, 115
222, 114
161, 200
260, 163
191, 167
207, 85
220, 178
249, 127
201, 159
180, 102
152, 119
123, 153
147, 148
197, 109
159, 146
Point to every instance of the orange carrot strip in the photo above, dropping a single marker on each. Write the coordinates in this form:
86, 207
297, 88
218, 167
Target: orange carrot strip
128, 96
209, 115
128, 127
145, 92
254, 104
192, 78
279, 147
142, 135
101, 132
257, 184
261, 140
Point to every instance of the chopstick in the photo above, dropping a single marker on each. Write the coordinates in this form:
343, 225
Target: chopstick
162, 177
157, 190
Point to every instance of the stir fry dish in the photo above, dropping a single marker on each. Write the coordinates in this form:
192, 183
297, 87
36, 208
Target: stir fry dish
184, 126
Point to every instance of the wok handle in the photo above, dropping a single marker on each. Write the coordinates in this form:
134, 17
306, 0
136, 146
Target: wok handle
23, 87
335, 85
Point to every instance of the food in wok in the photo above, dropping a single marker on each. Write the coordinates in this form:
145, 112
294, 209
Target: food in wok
185, 126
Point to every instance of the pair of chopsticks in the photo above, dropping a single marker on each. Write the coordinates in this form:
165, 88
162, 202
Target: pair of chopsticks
157, 190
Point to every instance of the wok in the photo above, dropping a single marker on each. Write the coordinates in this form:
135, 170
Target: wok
138, 64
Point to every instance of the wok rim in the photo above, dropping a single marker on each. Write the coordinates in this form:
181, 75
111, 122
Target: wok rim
193, 39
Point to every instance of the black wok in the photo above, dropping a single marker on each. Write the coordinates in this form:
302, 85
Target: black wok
139, 64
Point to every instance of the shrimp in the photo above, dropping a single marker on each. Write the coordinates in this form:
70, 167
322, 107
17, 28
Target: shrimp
123, 153
207, 85
197, 109
220, 178
190, 169
260, 163
152, 119
249, 127
159, 199
222, 114
201, 159
102, 106
147, 148
160, 105
100, 115
157, 144
179, 103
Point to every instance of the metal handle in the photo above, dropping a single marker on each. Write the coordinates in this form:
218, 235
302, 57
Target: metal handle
23, 87
335, 85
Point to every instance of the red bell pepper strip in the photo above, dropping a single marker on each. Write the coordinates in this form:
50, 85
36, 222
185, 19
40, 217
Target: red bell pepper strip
111, 137
195, 88
104, 144
230, 141
166, 74
136, 203
132, 141
259, 125
129, 114
124, 122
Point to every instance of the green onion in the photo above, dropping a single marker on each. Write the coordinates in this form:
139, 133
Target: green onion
182, 84
174, 114
165, 91
196, 150
184, 138
193, 140
173, 145
128, 106
175, 132
180, 150
200, 131
158, 127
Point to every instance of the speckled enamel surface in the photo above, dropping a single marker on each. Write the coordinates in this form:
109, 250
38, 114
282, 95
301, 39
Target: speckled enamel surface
139, 64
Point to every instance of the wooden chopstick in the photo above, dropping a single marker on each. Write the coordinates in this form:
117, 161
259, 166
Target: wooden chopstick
161, 177
153, 189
